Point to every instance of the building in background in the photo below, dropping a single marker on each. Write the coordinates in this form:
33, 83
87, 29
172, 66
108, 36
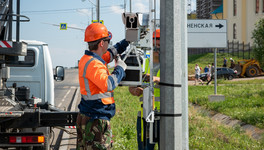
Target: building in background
217, 13
241, 17
205, 7
192, 15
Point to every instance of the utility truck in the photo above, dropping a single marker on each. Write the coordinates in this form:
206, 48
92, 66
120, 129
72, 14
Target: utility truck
27, 110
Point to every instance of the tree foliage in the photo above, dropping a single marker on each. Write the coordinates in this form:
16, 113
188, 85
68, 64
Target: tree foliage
258, 41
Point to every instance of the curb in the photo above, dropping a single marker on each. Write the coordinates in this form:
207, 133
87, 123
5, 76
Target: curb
253, 131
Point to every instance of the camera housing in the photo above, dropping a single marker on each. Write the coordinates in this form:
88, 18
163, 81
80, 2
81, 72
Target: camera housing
135, 24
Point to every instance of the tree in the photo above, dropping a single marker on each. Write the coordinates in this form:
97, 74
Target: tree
258, 41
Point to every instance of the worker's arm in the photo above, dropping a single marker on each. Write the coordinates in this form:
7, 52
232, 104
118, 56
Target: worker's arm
121, 46
147, 76
118, 48
97, 73
136, 91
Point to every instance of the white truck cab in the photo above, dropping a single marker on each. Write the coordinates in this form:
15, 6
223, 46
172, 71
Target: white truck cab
35, 72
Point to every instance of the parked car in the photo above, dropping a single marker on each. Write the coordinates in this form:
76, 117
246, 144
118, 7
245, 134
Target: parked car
203, 76
226, 73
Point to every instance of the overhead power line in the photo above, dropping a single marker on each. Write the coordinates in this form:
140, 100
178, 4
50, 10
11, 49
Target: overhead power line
92, 2
57, 10
61, 10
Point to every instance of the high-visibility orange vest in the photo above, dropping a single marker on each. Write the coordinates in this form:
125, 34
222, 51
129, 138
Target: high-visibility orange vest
94, 80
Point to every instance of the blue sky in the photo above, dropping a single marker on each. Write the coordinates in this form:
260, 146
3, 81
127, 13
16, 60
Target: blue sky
67, 46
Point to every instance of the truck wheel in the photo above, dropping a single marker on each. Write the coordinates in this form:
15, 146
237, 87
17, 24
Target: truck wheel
252, 71
230, 77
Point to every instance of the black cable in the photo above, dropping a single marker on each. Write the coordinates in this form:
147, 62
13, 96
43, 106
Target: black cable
168, 115
53, 135
169, 84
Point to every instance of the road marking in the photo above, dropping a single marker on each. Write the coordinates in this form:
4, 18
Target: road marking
66, 95
59, 104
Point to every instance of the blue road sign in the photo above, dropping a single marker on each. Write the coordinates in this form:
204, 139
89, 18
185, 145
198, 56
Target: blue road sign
63, 26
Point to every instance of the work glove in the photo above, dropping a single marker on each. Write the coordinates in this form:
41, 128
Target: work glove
121, 63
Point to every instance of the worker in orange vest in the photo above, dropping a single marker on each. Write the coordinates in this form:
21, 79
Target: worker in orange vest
97, 104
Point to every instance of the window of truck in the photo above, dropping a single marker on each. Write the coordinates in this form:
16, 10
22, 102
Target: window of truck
22, 61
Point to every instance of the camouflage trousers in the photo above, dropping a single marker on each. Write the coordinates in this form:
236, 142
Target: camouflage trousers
93, 134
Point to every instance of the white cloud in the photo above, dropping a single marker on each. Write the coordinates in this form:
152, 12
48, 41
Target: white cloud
137, 6
85, 12
117, 9
140, 7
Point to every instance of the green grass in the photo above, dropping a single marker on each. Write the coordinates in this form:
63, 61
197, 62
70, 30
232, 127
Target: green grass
203, 132
242, 101
248, 81
124, 122
207, 134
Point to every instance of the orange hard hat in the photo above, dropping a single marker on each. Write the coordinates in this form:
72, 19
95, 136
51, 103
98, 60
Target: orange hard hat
95, 31
157, 33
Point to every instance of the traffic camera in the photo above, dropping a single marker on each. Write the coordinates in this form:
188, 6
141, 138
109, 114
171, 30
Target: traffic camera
136, 25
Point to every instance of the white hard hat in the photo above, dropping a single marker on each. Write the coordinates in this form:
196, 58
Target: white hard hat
231, 59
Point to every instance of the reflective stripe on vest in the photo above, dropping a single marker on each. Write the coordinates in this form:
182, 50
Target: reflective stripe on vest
107, 97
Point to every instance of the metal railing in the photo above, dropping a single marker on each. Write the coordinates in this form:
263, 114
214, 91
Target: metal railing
234, 48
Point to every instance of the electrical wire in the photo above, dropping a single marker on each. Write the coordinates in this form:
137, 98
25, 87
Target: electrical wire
91, 2
55, 10
53, 136
61, 10
73, 133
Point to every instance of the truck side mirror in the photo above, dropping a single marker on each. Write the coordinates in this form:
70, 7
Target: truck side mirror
59, 73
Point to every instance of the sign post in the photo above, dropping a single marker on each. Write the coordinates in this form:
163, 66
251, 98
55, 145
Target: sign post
208, 34
95, 21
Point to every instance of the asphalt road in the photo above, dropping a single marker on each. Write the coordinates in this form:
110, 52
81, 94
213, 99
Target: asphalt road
64, 95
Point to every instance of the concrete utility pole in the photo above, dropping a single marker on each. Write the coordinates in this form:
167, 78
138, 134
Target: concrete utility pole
98, 10
124, 6
174, 88
130, 6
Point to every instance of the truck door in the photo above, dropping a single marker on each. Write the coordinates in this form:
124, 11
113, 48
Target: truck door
29, 71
